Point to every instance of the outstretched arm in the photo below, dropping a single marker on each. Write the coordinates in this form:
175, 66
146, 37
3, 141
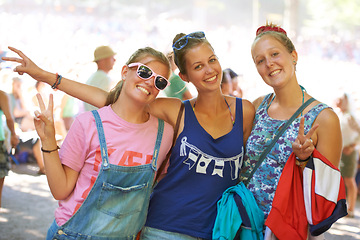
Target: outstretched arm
90, 94
61, 179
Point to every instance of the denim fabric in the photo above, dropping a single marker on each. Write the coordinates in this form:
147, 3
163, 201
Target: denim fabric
149, 233
116, 207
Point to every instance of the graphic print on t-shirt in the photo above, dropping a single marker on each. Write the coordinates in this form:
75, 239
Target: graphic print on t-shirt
202, 161
129, 158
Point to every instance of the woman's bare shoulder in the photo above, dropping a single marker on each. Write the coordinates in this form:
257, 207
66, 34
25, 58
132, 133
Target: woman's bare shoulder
166, 109
258, 101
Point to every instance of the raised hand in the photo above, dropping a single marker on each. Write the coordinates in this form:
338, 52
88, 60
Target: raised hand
304, 145
26, 65
44, 122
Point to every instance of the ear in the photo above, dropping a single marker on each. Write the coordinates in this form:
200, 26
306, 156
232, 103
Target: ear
183, 77
294, 55
124, 72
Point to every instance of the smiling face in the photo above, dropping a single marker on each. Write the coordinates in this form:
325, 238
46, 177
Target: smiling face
273, 61
138, 88
202, 67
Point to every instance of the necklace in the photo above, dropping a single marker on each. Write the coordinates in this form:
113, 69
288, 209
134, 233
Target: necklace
303, 98
232, 118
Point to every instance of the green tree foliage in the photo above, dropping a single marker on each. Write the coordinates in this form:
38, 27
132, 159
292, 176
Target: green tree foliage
335, 15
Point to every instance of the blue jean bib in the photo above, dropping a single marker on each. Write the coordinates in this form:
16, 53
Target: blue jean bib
117, 205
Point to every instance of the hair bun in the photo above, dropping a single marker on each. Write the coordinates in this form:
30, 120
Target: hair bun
268, 28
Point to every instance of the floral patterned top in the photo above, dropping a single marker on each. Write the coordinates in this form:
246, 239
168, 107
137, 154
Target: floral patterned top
264, 181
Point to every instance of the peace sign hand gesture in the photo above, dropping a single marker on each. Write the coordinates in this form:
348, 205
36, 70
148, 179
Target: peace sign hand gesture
44, 123
304, 145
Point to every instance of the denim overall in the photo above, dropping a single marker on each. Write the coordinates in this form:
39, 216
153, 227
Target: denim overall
117, 205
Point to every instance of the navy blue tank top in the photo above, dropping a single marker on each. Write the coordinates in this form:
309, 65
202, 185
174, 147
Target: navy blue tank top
201, 169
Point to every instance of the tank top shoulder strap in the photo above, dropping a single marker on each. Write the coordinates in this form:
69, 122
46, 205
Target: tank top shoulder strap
314, 112
239, 111
189, 114
264, 102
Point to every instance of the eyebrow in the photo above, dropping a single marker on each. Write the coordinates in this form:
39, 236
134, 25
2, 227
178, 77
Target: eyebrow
270, 49
200, 61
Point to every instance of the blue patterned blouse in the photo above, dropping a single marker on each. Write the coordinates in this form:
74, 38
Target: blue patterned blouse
264, 182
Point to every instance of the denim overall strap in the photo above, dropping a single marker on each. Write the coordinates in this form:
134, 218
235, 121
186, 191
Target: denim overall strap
102, 140
103, 148
158, 143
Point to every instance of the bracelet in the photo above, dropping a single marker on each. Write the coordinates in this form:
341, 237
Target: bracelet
60, 77
54, 85
57, 82
305, 160
49, 151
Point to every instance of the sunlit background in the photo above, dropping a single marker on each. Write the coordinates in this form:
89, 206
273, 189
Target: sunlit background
60, 36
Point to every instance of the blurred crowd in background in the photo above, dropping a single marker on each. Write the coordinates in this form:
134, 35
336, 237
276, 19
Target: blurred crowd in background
61, 36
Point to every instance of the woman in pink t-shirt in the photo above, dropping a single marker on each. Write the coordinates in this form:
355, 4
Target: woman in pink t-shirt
104, 172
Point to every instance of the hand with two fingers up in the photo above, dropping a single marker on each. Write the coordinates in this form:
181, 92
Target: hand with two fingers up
44, 123
303, 146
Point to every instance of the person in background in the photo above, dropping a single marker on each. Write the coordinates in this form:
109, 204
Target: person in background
28, 148
105, 60
14, 140
226, 85
350, 130
177, 88
316, 128
106, 166
68, 111
21, 114
232, 78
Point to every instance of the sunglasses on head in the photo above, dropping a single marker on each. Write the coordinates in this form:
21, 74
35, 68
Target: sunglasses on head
144, 72
181, 42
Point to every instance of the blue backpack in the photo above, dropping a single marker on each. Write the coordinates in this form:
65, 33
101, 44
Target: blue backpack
238, 216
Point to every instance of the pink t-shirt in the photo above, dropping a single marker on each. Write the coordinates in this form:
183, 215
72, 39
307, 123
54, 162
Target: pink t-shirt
128, 144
